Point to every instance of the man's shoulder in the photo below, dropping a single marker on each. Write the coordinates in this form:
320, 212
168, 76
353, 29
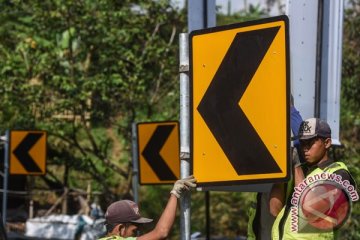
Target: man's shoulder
341, 169
332, 166
117, 238
345, 175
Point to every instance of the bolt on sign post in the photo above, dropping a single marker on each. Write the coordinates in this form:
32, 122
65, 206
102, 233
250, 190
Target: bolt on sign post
240, 98
28, 152
158, 152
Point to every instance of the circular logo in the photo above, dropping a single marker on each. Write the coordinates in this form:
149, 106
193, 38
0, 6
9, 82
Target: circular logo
325, 206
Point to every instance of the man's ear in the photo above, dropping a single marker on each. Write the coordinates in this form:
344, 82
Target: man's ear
119, 229
122, 229
327, 143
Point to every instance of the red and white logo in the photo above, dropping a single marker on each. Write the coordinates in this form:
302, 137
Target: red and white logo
325, 206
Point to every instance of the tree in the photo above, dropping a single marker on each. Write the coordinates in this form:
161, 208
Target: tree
253, 13
84, 71
350, 107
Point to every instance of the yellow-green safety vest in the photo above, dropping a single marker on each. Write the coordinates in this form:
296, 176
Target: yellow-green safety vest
251, 214
287, 233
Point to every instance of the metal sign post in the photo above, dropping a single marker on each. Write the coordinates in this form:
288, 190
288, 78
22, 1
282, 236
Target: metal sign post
3, 234
332, 32
201, 14
135, 177
316, 53
184, 132
6, 175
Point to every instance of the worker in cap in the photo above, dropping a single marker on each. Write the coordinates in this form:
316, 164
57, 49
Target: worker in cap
123, 218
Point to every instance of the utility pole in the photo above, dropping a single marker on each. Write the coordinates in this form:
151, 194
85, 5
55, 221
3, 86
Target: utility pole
316, 29
201, 14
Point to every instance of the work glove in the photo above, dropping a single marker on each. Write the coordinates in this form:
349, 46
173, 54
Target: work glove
295, 159
183, 184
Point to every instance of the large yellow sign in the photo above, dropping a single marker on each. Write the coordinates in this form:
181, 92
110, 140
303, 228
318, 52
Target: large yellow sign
158, 152
240, 102
28, 152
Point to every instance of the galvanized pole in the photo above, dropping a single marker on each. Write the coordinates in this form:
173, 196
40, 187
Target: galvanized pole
303, 53
135, 177
184, 132
6, 175
3, 234
201, 14
331, 66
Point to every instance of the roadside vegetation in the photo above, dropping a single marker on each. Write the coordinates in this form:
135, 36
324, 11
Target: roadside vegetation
84, 71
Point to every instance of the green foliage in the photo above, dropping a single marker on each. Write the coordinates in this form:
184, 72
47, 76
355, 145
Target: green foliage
228, 213
84, 71
351, 60
350, 108
254, 12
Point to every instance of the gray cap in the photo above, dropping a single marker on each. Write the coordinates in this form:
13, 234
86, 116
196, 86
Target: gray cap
314, 127
124, 211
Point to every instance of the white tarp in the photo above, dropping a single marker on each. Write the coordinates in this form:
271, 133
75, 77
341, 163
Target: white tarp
64, 227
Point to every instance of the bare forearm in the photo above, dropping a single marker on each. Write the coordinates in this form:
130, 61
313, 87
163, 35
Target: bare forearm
168, 216
163, 226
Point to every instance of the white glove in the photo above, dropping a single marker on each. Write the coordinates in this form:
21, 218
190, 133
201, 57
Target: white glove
295, 160
183, 184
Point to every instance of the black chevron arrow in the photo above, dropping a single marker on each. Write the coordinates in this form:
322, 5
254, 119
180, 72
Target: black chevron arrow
22, 152
152, 155
220, 110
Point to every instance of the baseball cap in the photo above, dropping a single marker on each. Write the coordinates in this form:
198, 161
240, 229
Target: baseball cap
124, 211
313, 127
